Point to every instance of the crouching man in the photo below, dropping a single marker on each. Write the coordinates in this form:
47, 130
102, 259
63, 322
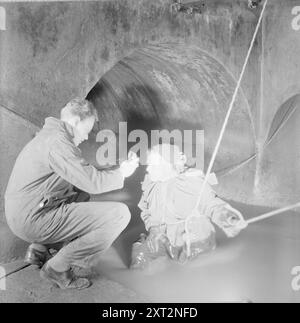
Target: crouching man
46, 201
176, 228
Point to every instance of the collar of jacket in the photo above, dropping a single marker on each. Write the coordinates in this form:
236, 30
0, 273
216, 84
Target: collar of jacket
59, 125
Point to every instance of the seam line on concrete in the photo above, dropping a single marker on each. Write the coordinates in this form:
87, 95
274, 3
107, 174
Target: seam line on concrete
18, 115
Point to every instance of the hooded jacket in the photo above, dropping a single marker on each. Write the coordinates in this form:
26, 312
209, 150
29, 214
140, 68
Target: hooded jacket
46, 171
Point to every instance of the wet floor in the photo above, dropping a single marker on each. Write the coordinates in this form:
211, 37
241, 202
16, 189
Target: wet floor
256, 266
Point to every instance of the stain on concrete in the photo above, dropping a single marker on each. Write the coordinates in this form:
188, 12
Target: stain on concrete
42, 25
239, 22
105, 53
111, 16
174, 21
125, 15
119, 15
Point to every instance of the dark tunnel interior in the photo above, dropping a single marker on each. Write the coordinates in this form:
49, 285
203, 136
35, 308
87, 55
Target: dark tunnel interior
171, 87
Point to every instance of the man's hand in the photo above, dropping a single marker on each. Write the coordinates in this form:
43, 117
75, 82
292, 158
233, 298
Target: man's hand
229, 220
129, 166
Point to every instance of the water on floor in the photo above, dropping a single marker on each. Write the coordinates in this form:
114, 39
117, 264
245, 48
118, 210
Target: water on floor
254, 267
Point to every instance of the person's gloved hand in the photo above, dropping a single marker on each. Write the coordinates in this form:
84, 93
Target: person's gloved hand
129, 166
229, 220
155, 236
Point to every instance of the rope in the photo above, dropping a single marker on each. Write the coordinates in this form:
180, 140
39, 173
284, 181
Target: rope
15, 271
212, 161
271, 214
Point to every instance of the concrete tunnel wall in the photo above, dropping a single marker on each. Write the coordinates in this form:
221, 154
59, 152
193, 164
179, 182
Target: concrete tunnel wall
175, 70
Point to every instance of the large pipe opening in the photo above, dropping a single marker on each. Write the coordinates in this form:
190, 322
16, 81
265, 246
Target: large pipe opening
171, 87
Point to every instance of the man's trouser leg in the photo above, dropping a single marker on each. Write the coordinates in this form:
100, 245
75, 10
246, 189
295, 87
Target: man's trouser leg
36, 253
91, 227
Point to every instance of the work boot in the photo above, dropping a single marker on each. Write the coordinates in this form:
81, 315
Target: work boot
64, 280
37, 255
143, 255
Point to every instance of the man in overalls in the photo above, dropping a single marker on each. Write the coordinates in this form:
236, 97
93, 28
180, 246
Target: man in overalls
46, 201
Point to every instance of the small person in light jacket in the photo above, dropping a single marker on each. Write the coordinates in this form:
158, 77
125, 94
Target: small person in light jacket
175, 226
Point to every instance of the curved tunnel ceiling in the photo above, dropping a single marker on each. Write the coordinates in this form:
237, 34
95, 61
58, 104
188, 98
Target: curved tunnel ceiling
170, 87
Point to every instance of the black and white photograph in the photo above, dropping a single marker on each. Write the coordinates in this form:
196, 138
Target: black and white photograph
149, 154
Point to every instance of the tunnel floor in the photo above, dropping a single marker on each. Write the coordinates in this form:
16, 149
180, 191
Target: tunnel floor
26, 286
254, 267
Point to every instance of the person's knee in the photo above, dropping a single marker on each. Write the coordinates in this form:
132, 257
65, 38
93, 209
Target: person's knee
123, 213
117, 216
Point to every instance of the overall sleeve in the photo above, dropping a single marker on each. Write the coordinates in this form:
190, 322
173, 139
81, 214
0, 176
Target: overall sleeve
149, 218
211, 203
148, 210
219, 212
66, 160
145, 213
